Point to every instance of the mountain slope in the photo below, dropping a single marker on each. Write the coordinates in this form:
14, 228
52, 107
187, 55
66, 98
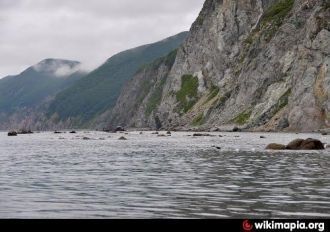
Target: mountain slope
256, 64
98, 91
35, 86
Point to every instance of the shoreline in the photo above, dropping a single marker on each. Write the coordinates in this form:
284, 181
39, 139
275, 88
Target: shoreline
182, 130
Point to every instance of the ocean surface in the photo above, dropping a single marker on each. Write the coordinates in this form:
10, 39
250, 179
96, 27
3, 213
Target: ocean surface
47, 175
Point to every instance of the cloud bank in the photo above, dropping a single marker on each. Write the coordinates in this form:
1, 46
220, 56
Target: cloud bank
84, 30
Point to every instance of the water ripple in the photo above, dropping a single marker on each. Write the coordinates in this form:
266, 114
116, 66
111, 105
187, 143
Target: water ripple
43, 176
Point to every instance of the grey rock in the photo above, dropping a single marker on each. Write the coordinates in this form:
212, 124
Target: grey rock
251, 76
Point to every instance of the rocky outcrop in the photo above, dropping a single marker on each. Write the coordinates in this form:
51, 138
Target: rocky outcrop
254, 64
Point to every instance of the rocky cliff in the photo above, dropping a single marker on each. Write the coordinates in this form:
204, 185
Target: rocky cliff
255, 64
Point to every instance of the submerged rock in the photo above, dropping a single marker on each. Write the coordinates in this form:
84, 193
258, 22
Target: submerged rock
73, 132
122, 138
120, 129
24, 132
202, 135
236, 129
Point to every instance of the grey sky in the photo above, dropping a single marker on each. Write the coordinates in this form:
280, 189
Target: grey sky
89, 31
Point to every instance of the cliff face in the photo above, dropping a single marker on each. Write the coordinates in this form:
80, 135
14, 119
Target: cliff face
256, 64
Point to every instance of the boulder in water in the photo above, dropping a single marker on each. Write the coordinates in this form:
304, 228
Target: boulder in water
12, 133
295, 144
236, 129
312, 144
298, 144
202, 135
216, 147
122, 138
275, 146
119, 129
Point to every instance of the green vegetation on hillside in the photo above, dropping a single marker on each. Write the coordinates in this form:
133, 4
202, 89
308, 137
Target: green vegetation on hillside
99, 91
157, 94
271, 20
274, 16
243, 117
283, 101
214, 91
155, 97
32, 88
278, 11
199, 120
187, 96
269, 24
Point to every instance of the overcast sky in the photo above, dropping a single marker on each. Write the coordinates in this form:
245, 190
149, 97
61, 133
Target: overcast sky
89, 31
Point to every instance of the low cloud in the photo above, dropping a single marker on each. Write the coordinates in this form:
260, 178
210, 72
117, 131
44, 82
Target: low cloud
84, 30
58, 68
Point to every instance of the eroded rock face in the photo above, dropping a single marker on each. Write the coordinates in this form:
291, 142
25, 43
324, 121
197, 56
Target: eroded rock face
244, 64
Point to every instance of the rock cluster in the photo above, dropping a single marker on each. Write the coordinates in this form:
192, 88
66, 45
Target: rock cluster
298, 144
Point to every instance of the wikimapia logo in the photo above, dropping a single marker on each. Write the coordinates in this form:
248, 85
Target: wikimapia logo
247, 226
283, 226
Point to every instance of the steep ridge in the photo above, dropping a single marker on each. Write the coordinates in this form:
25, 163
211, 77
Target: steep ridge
97, 92
23, 96
255, 64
